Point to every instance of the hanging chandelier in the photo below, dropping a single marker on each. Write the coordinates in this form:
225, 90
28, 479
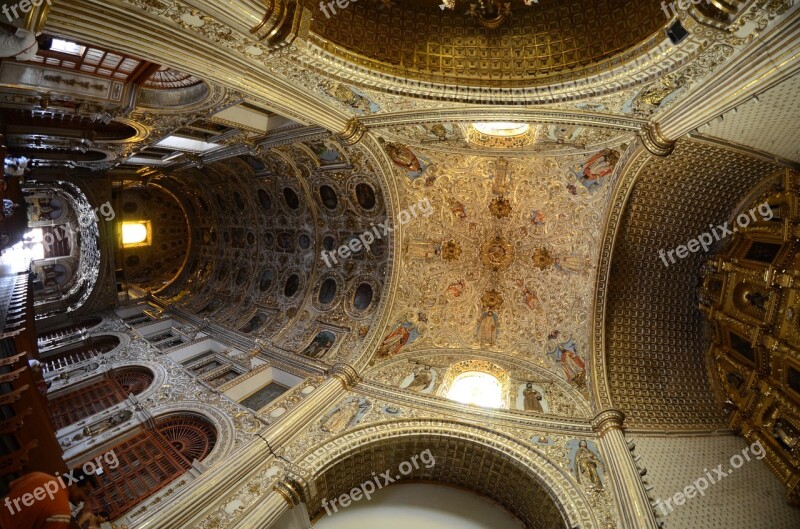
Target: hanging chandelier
490, 13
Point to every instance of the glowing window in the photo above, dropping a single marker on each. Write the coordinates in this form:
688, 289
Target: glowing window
136, 233
480, 389
65, 46
502, 129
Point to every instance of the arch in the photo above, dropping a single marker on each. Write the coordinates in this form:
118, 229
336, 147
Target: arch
66, 354
68, 330
549, 495
98, 393
153, 458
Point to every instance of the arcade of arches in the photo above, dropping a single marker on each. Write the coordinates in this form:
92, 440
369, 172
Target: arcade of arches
395, 263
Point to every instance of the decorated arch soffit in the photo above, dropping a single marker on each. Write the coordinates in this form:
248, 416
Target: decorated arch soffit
324, 458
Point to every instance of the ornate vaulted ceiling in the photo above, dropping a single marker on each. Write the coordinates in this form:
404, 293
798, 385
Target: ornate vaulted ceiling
418, 40
503, 261
514, 261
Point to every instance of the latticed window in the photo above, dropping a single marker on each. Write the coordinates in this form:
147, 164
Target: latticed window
113, 388
151, 460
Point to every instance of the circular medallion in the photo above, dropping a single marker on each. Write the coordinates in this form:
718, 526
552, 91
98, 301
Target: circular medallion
497, 253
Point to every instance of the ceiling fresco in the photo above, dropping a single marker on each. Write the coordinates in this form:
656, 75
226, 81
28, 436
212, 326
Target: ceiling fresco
504, 262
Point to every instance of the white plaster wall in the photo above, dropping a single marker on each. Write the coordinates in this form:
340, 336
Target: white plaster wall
749, 497
420, 506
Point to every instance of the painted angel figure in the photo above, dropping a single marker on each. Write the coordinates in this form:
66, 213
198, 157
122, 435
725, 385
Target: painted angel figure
566, 355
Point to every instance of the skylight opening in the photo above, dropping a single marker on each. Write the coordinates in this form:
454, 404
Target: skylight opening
477, 388
502, 129
66, 46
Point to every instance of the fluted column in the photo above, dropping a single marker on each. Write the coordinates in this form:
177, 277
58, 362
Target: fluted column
342, 377
291, 489
630, 497
286, 495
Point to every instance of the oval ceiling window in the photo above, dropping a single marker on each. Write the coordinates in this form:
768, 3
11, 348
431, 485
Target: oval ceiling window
347, 242
269, 239
239, 200
502, 129
365, 196
292, 286
327, 291
328, 243
264, 199
266, 279
328, 196
285, 241
378, 248
241, 276
304, 241
292, 200
363, 296
251, 238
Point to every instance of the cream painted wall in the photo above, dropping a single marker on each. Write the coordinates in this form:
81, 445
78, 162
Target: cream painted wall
420, 506
749, 497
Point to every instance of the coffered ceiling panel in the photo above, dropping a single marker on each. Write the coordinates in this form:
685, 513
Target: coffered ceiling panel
655, 345
416, 40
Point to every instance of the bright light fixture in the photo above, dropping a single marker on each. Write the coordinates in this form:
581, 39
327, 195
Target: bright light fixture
135, 233
502, 129
478, 388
